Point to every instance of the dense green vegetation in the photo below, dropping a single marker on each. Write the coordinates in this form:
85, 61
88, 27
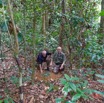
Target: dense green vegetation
45, 24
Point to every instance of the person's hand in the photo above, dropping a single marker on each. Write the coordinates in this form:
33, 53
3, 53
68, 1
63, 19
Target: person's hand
61, 67
51, 64
41, 71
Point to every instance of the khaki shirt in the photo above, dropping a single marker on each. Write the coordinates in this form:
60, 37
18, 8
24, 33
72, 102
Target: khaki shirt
59, 57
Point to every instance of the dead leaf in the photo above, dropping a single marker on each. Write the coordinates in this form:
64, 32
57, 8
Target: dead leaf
32, 99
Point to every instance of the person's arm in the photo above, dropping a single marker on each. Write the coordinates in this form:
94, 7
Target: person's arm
51, 60
64, 60
40, 67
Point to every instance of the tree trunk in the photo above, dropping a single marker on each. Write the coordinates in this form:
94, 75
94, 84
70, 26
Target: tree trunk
14, 28
33, 50
33, 43
16, 52
44, 25
62, 24
102, 19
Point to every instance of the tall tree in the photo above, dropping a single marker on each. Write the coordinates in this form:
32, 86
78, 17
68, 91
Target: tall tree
62, 23
16, 51
102, 18
33, 41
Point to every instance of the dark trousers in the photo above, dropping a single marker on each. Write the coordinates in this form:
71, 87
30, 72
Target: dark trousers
45, 64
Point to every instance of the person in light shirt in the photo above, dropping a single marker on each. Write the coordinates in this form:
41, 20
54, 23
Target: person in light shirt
58, 59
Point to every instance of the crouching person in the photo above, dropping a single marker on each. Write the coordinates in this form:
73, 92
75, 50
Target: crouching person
43, 60
58, 60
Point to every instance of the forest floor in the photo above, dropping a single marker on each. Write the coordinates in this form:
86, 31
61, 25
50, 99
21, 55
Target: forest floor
46, 87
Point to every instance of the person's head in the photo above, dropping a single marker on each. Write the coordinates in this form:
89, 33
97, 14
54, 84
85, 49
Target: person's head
59, 49
44, 53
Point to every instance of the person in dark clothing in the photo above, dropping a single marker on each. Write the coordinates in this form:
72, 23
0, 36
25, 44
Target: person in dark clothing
43, 57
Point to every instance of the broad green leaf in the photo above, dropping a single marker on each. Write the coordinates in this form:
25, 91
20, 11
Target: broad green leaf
63, 81
102, 13
70, 102
59, 100
89, 91
93, 57
67, 77
76, 97
6, 100
74, 78
66, 91
66, 85
101, 76
101, 81
1, 3
72, 86
10, 100
1, 101
98, 92
20, 37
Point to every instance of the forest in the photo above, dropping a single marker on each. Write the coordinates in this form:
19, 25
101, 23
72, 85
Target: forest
32, 29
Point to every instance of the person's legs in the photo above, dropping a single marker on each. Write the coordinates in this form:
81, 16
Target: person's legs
61, 70
39, 67
56, 69
48, 60
44, 65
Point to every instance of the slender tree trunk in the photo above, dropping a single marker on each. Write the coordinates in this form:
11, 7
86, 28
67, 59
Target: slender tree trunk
102, 19
33, 51
51, 14
46, 19
62, 24
16, 52
44, 25
14, 28
24, 33
33, 44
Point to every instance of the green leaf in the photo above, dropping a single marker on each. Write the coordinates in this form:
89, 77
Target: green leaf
101, 76
1, 101
66, 85
70, 102
93, 57
6, 100
76, 97
74, 78
88, 91
59, 100
51, 88
15, 80
1, 3
101, 81
4, 27
66, 91
10, 100
20, 37
67, 77
72, 86
63, 81
98, 92
102, 13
